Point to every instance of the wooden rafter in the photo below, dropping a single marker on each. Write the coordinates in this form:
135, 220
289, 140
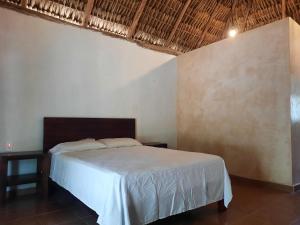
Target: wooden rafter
186, 5
207, 25
136, 19
87, 12
249, 8
232, 10
159, 48
23, 3
283, 9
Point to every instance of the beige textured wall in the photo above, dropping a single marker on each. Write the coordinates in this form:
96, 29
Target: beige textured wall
234, 101
295, 97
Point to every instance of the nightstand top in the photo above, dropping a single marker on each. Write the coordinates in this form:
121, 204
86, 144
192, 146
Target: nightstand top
21, 154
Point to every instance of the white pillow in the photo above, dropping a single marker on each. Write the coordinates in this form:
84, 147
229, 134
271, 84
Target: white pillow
84, 144
119, 142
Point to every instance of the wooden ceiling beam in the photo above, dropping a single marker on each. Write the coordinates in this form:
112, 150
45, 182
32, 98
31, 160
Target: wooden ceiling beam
24, 3
158, 48
178, 21
283, 9
243, 26
136, 19
161, 49
207, 25
87, 12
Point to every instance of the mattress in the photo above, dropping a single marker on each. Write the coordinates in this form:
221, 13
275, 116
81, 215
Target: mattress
141, 184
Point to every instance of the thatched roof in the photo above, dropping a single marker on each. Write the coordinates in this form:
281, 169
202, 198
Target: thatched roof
172, 26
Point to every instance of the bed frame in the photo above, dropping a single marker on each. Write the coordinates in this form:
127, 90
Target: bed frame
63, 129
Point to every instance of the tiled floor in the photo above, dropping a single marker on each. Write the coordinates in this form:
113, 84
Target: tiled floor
252, 205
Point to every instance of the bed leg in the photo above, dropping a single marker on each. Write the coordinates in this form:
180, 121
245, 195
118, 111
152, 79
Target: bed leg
221, 206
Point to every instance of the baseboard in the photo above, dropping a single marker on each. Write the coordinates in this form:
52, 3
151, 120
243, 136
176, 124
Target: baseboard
281, 187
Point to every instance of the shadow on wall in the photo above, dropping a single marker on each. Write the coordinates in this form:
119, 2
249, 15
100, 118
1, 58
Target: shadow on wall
296, 151
153, 103
295, 122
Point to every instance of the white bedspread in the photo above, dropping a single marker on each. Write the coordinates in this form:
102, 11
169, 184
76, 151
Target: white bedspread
141, 184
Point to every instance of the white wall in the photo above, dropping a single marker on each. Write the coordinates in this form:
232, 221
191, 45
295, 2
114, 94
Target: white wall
49, 69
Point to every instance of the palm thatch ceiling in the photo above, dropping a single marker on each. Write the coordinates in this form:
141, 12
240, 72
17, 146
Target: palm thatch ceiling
172, 26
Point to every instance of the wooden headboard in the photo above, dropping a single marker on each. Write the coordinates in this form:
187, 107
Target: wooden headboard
62, 129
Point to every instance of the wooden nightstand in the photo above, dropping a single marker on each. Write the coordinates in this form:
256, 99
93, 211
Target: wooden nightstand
6, 181
156, 144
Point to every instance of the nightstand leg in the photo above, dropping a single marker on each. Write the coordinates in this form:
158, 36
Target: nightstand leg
3, 176
3, 193
45, 171
39, 172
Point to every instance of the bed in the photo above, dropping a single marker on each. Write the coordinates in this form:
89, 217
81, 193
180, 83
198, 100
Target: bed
132, 185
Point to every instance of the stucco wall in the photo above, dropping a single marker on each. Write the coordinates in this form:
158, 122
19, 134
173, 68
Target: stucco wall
50, 69
295, 97
234, 101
